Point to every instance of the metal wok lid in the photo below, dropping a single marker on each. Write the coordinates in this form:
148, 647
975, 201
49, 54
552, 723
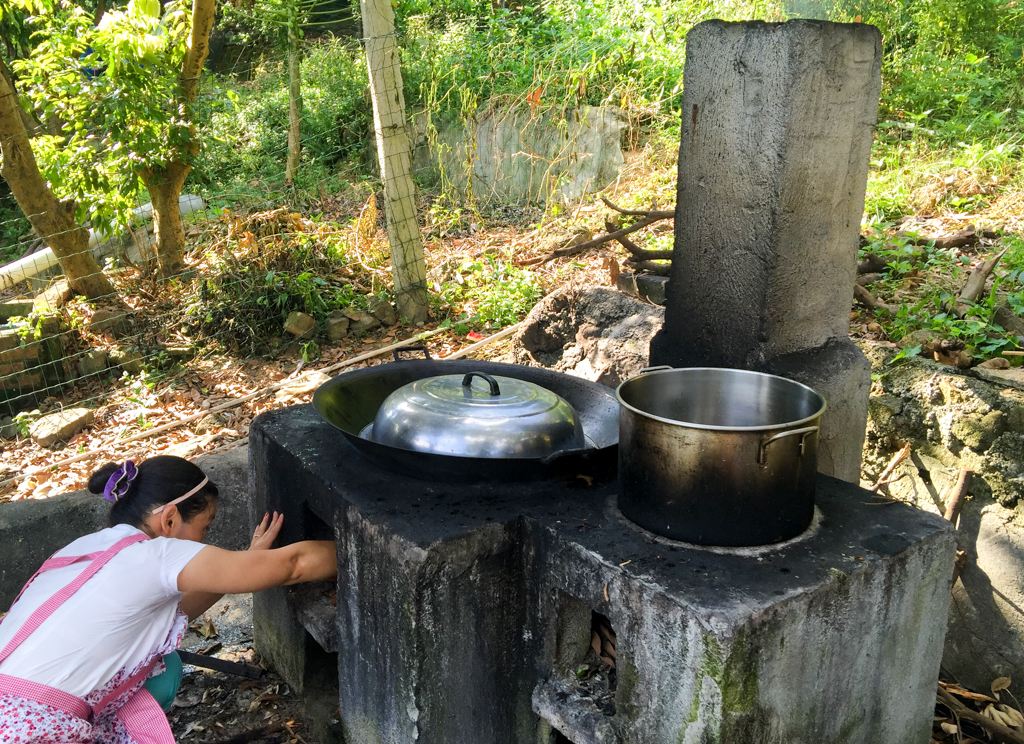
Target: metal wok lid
504, 417
350, 402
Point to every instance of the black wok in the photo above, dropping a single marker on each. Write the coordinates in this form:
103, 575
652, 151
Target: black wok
350, 402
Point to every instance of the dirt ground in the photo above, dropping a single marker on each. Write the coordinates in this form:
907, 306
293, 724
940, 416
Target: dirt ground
216, 708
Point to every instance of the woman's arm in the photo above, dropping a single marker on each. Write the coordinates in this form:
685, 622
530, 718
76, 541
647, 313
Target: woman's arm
233, 572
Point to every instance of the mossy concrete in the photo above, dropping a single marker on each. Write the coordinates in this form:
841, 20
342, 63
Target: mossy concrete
462, 610
957, 419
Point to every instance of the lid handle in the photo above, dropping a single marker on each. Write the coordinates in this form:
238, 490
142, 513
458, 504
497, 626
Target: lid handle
467, 381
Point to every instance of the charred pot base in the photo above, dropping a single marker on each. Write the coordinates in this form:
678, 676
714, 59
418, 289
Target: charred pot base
467, 613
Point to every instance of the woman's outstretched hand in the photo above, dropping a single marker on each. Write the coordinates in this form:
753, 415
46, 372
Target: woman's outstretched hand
267, 531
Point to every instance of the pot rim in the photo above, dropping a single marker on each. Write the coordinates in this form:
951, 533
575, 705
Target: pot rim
713, 427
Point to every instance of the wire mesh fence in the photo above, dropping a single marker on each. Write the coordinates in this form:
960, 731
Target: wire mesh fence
344, 249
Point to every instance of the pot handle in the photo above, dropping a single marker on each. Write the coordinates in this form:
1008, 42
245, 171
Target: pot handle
656, 368
415, 347
467, 381
762, 449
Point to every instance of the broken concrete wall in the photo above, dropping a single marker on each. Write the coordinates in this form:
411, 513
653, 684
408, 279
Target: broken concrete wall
519, 155
955, 420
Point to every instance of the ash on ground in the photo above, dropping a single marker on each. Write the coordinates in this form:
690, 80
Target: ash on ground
217, 708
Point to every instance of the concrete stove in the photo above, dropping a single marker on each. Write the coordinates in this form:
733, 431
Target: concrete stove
464, 612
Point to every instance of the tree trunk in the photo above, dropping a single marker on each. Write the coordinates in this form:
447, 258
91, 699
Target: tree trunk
394, 153
294, 106
165, 184
165, 187
53, 219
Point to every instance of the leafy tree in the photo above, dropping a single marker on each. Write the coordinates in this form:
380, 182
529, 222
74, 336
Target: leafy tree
124, 88
54, 217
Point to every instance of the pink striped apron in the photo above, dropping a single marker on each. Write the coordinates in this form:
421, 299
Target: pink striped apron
121, 712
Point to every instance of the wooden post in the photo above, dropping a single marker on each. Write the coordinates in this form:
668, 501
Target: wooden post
294, 98
394, 152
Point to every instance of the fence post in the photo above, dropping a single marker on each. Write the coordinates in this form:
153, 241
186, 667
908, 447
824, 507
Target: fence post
394, 153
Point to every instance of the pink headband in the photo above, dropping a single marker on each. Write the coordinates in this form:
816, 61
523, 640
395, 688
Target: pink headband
181, 498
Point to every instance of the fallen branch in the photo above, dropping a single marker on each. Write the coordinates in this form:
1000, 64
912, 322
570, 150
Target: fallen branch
872, 264
956, 498
958, 709
952, 514
662, 213
975, 285
886, 474
864, 297
658, 269
577, 249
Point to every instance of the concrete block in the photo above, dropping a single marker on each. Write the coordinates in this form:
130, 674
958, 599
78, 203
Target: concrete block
361, 321
131, 361
777, 127
383, 311
14, 309
337, 325
840, 372
60, 426
300, 325
54, 298
92, 363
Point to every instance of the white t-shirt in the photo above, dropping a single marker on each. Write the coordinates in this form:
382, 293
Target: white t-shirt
117, 619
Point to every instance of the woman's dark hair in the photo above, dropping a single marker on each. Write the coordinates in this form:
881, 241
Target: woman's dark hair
160, 479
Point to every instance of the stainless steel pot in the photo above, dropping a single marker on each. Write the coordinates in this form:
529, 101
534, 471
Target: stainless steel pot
718, 456
456, 415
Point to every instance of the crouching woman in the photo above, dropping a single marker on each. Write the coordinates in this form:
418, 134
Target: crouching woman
85, 641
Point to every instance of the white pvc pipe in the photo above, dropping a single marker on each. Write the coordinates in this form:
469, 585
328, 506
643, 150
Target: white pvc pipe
38, 262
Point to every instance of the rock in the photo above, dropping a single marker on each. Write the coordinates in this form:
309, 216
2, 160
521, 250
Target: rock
8, 429
362, 321
383, 311
1014, 376
978, 432
53, 298
337, 325
210, 422
130, 360
14, 309
109, 320
300, 324
61, 426
995, 363
922, 338
595, 333
92, 362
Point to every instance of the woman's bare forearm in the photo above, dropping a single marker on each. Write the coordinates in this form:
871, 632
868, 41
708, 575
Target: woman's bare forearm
316, 560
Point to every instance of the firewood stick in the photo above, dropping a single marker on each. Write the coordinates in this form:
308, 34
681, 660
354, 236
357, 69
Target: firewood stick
663, 213
868, 300
884, 476
975, 284
1004, 733
576, 249
956, 496
642, 253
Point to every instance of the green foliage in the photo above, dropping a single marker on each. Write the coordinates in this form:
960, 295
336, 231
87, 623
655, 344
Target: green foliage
459, 54
929, 280
247, 134
253, 284
491, 293
111, 89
